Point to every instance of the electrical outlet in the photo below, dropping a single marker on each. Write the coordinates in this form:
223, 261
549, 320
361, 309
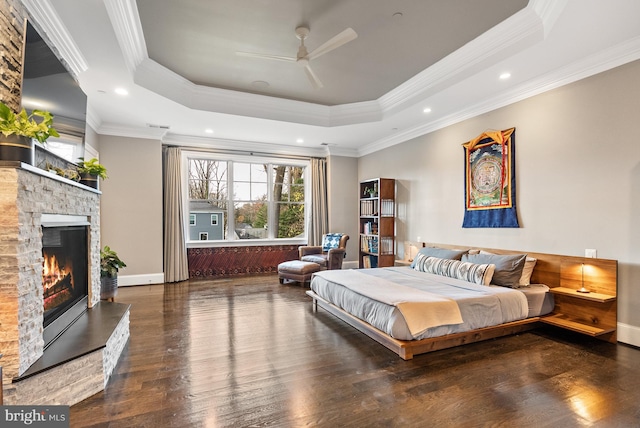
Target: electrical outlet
590, 253
419, 239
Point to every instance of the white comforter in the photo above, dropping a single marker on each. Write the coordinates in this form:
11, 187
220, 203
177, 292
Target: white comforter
479, 305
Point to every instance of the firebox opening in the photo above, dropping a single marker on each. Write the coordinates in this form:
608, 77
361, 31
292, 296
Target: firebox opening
65, 272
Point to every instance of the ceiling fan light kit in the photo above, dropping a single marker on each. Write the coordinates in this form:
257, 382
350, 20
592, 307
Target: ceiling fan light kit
304, 57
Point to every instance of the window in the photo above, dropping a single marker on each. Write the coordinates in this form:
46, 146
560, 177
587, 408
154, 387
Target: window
255, 198
67, 147
204, 236
192, 219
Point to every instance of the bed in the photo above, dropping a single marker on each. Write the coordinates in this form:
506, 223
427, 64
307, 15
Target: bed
386, 303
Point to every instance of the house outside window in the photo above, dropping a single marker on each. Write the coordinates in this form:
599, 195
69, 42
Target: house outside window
250, 199
192, 219
204, 236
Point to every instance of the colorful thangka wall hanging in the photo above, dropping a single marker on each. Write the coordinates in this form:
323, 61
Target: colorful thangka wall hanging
490, 183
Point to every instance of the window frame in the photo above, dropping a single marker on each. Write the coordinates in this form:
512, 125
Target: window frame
273, 205
214, 215
195, 220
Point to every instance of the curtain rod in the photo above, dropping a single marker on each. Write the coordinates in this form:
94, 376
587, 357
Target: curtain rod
244, 152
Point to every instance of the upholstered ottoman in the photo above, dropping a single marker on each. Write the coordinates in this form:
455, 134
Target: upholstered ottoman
297, 270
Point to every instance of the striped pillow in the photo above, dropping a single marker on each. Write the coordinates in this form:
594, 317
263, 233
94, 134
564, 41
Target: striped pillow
465, 271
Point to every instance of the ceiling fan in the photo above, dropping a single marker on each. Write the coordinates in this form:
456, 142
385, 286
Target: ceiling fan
304, 57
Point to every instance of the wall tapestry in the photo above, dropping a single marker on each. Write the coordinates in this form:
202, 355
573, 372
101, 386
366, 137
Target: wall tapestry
490, 183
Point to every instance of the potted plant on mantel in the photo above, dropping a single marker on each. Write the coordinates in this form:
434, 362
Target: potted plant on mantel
19, 130
110, 263
90, 171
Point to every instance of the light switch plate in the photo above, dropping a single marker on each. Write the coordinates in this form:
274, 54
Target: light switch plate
590, 253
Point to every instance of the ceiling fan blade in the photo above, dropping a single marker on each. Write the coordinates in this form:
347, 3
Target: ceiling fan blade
313, 78
265, 56
345, 37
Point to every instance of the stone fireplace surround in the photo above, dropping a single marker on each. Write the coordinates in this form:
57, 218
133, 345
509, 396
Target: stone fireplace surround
26, 193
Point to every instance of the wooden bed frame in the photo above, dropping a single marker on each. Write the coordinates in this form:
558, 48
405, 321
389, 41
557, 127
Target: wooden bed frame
593, 314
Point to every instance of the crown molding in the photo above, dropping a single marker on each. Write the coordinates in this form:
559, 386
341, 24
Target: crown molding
131, 132
245, 146
341, 151
47, 20
615, 56
548, 10
157, 78
128, 30
514, 34
518, 32
93, 119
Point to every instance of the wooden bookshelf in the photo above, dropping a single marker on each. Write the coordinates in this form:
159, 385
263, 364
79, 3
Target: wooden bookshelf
377, 213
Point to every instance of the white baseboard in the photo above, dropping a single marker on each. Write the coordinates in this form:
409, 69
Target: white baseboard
628, 334
146, 279
350, 265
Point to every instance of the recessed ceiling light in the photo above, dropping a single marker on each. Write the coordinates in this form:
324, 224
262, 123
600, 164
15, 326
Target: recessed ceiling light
505, 76
300, 141
209, 131
121, 91
426, 110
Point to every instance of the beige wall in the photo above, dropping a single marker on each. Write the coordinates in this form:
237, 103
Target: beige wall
342, 183
578, 178
131, 206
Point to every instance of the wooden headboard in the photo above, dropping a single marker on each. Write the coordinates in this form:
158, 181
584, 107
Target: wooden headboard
593, 313
600, 275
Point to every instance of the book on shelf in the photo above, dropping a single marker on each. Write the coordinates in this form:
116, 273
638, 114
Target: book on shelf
369, 244
387, 207
369, 261
370, 228
369, 207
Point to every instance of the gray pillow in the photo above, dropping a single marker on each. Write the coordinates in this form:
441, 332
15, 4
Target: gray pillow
441, 253
508, 267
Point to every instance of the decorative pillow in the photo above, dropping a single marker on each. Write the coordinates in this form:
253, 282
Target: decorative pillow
476, 273
508, 267
441, 253
331, 240
529, 265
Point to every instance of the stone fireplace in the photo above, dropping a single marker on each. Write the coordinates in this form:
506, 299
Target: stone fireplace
33, 201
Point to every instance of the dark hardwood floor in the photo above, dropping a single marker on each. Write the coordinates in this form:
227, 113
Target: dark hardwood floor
251, 353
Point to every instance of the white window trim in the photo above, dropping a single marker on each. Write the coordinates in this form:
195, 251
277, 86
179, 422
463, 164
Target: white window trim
231, 241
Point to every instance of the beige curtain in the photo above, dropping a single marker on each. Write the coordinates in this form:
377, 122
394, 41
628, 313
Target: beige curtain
319, 218
175, 249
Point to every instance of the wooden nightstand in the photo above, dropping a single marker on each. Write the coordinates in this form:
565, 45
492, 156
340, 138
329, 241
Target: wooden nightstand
592, 313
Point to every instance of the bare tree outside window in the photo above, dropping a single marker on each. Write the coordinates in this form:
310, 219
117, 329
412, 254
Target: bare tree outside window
251, 198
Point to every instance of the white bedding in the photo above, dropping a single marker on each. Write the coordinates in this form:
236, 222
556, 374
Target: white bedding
479, 305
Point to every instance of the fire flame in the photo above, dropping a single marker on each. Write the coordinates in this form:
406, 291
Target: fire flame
52, 273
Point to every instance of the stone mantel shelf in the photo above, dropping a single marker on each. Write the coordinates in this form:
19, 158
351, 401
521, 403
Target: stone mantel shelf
42, 172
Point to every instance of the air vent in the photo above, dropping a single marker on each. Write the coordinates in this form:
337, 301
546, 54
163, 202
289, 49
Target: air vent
151, 125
